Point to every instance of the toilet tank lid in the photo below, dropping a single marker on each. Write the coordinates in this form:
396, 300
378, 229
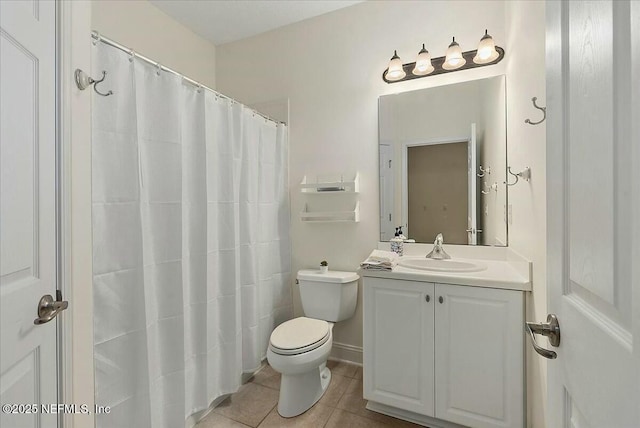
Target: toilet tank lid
334, 276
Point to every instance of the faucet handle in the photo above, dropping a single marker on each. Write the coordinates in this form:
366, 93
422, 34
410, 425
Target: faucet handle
439, 239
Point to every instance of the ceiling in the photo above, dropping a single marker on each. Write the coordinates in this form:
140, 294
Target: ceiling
224, 21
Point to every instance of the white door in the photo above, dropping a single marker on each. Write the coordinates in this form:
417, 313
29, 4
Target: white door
593, 212
387, 228
27, 223
479, 356
398, 344
472, 205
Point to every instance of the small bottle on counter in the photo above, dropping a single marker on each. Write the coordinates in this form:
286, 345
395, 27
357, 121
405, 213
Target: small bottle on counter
400, 234
397, 243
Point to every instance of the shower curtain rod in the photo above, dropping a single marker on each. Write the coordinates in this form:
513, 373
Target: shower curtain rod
97, 37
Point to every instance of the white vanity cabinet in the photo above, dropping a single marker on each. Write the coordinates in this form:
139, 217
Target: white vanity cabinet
398, 344
441, 352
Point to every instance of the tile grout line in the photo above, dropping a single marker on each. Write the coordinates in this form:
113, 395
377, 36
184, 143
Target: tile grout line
267, 415
333, 409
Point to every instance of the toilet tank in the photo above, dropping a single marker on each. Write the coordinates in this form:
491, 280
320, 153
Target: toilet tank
330, 296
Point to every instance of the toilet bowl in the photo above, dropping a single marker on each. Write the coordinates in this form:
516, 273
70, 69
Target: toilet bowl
305, 376
299, 348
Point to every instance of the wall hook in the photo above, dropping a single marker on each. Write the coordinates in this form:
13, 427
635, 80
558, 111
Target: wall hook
544, 113
525, 174
493, 187
83, 81
484, 171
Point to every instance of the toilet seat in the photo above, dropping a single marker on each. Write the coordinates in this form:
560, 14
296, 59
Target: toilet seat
299, 335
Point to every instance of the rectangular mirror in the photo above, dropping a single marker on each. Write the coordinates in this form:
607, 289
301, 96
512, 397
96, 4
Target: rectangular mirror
443, 160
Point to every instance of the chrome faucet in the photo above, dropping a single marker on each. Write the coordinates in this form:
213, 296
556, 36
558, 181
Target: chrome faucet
438, 253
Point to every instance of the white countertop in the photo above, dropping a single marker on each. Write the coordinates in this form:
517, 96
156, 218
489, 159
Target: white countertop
506, 271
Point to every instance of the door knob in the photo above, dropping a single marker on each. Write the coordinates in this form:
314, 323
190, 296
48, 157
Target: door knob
551, 329
48, 308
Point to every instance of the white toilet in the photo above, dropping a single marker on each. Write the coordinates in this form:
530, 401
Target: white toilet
299, 348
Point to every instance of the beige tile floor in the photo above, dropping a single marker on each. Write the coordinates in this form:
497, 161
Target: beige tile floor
255, 404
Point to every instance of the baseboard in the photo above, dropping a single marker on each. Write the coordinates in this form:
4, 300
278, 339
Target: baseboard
346, 352
246, 376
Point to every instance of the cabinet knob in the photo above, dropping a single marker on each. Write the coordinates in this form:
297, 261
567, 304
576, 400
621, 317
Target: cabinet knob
441, 299
427, 298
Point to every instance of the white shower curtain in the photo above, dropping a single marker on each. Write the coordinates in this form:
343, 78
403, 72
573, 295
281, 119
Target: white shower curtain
191, 253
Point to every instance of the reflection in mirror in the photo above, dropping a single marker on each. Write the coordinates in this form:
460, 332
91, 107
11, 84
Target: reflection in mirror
443, 157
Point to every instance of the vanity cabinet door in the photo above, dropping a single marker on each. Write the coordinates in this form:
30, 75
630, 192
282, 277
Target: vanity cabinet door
398, 344
479, 360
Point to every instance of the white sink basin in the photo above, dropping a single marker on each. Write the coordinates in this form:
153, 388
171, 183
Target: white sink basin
441, 265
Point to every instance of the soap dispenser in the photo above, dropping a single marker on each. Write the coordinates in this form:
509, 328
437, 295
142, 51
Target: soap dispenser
397, 243
400, 234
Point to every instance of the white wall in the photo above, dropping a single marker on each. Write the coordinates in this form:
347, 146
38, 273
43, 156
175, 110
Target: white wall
141, 26
78, 274
527, 234
330, 67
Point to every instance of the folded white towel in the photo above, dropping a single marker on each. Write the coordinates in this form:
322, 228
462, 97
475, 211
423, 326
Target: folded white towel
383, 256
380, 260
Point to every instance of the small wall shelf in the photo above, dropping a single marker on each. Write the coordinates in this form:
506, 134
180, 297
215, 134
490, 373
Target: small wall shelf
330, 185
352, 216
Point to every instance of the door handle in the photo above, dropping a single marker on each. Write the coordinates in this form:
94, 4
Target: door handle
48, 308
551, 329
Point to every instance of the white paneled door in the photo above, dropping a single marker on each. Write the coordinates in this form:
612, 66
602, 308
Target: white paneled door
593, 188
28, 211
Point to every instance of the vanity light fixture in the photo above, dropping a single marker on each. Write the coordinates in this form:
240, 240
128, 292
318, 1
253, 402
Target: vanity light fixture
423, 63
486, 52
395, 71
454, 60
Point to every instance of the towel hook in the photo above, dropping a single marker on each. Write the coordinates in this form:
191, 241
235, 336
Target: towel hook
83, 81
493, 187
484, 171
544, 113
525, 173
